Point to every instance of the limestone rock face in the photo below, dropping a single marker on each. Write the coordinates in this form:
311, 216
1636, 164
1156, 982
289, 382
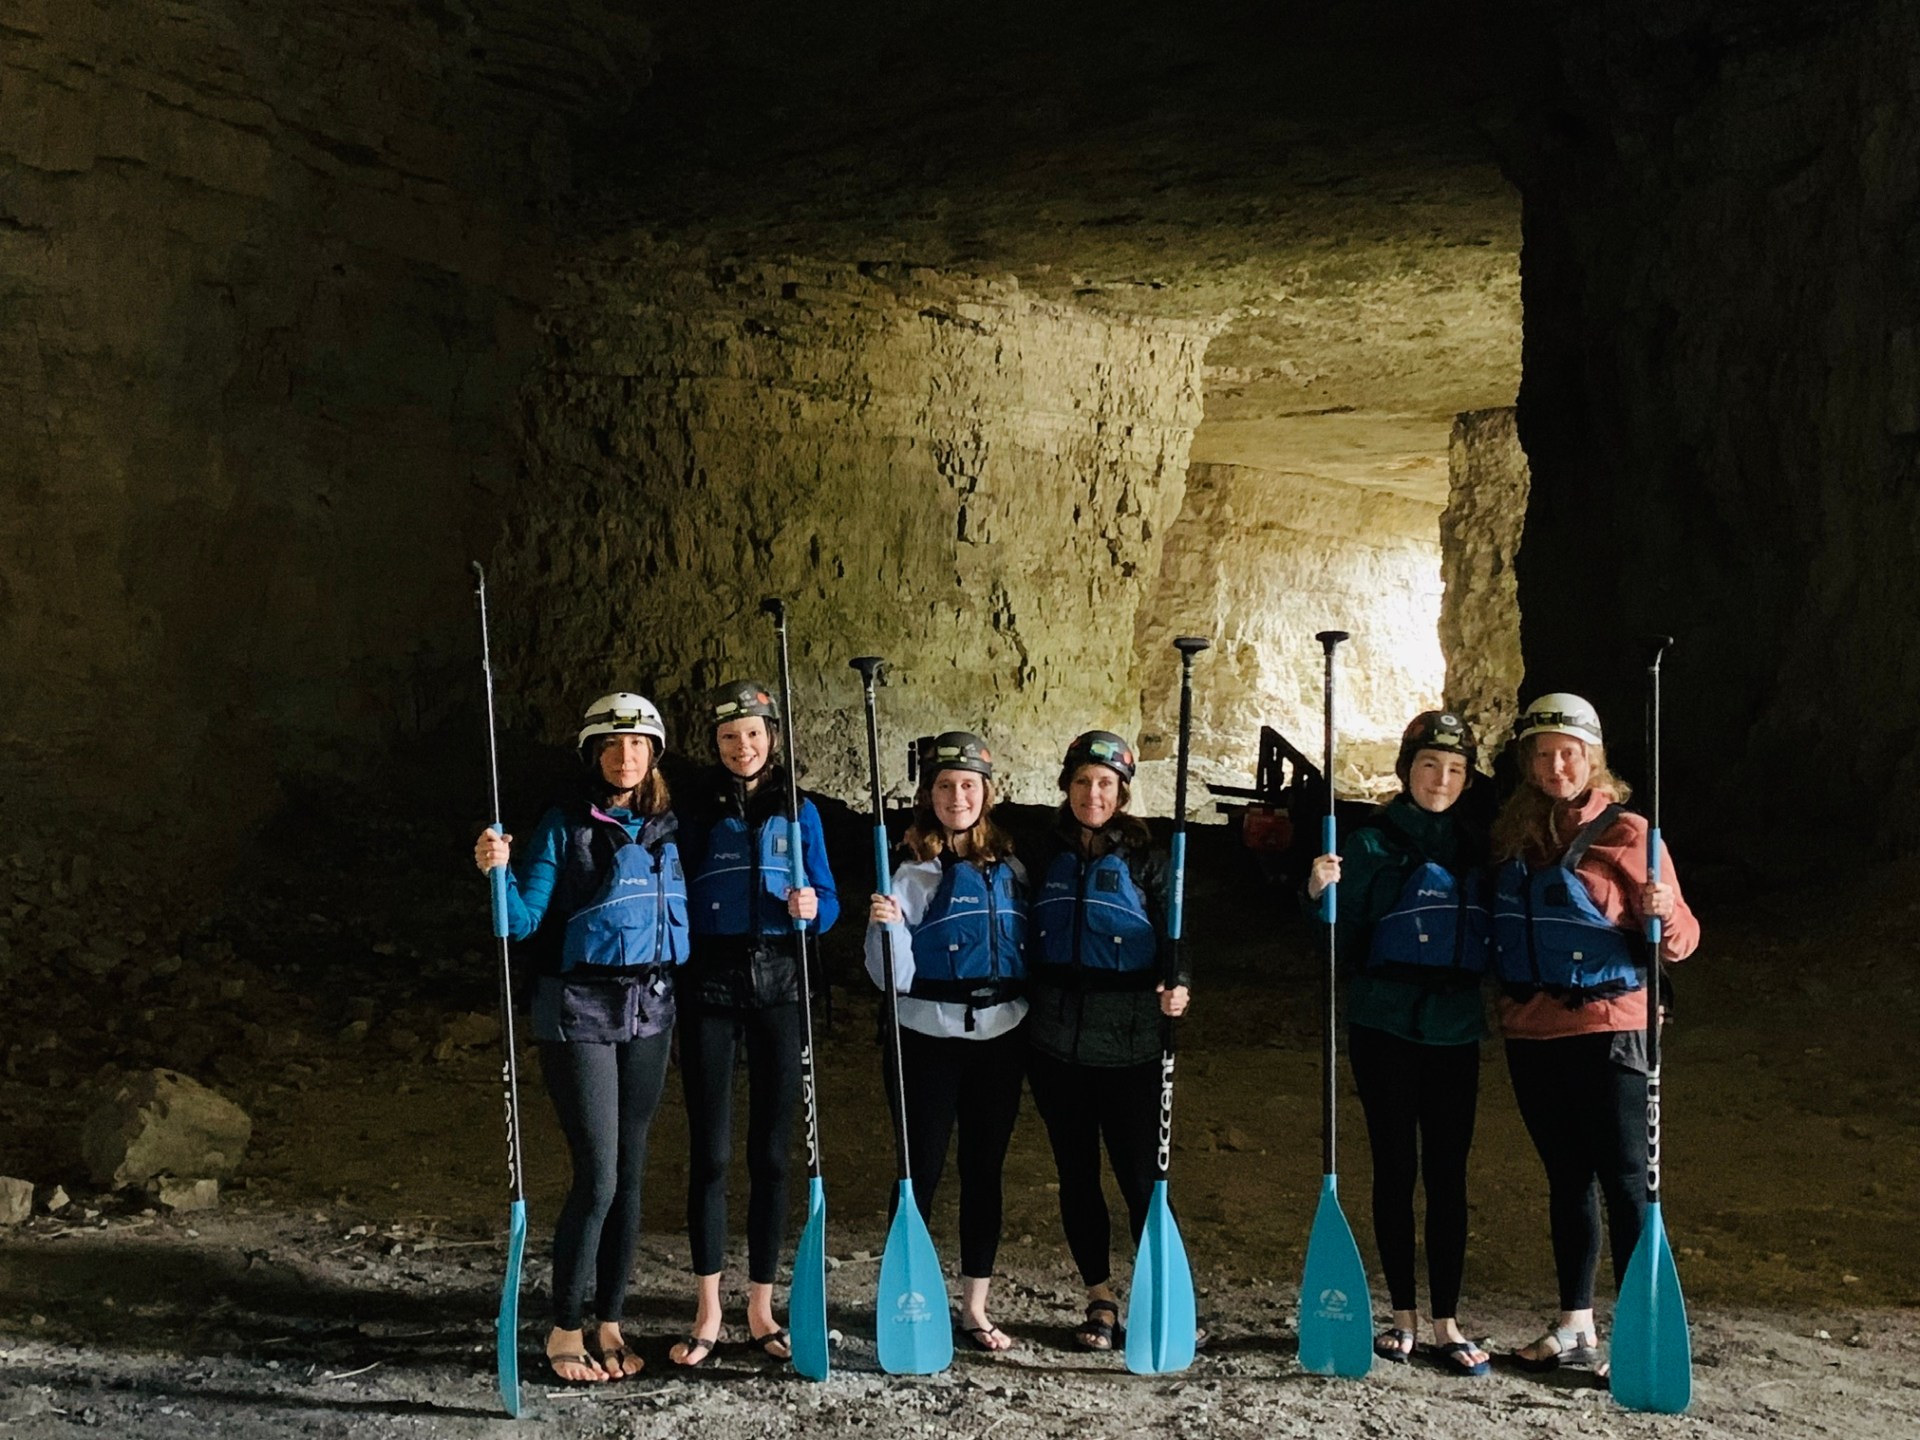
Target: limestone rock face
935, 468
267, 269
1261, 562
164, 1123
1720, 407
1479, 536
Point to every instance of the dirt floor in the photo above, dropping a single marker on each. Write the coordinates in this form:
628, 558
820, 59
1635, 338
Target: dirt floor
347, 1283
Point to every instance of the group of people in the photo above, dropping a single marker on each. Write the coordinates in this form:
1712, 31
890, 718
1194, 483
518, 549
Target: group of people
641, 915
1550, 905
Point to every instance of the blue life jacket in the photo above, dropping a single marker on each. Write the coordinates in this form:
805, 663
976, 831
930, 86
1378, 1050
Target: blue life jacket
970, 945
1438, 932
634, 909
743, 866
1091, 925
1549, 935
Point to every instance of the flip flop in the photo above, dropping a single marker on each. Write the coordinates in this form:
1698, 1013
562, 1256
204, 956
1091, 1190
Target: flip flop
765, 1343
1453, 1358
614, 1362
580, 1358
1396, 1345
981, 1338
695, 1351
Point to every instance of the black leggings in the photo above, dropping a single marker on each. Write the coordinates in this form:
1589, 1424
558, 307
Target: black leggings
1587, 1115
605, 1096
1420, 1102
975, 1083
1081, 1104
709, 1040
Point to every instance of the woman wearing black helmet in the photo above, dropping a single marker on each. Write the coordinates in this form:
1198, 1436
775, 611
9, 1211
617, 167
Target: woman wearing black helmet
741, 989
959, 919
1414, 933
600, 899
1570, 897
1100, 985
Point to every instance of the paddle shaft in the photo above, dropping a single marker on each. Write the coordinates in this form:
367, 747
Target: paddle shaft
1329, 912
1188, 646
1656, 648
507, 1321
869, 668
809, 1094
497, 880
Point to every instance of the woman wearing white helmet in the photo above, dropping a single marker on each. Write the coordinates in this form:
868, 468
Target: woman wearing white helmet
1571, 896
741, 992
1413, 937
600, 900
1102, 980
958, 913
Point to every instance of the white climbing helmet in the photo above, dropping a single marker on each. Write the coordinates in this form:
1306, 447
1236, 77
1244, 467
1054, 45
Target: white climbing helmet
624, 713
1560, 714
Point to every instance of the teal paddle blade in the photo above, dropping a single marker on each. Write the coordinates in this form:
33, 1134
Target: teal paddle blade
506, 1328
1652, 1359
1160, 1319
910, 1313
1336, 1313
807, 1300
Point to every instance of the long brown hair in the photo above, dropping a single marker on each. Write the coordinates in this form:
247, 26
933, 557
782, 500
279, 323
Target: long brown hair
1525, 823
926, 837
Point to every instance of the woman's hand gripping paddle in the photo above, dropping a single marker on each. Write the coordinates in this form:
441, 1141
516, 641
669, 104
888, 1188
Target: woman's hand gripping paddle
1336, 1313
913, 1334
1652, 1360
506, 1328
1161, 1325
807, 1297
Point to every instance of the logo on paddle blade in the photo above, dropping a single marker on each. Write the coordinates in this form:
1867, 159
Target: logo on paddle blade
911, 1308
1334, 1305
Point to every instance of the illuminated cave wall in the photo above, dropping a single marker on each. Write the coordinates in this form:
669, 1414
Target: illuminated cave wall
1261, 562
1480, 536
939, 469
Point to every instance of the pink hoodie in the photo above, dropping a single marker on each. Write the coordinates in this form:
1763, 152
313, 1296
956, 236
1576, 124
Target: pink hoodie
1614, 870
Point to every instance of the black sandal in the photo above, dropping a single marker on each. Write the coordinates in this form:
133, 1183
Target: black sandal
765, 1343
695, 1351
1095, 1333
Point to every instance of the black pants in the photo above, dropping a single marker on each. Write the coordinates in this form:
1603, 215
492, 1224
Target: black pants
605, 1096
709, 1041
1587, 1115
1420, 1102
1083, 1104
974, 1084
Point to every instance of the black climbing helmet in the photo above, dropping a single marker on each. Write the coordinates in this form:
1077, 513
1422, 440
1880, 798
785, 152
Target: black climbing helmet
954, 750
1098, 747
1435, 730
740, 699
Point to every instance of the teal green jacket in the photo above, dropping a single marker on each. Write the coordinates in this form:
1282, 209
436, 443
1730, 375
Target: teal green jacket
1373, 871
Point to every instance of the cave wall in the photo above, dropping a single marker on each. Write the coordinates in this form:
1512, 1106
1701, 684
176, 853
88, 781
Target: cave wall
1479, 538
1721, 405
1261, 561
267, 280
938, 468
